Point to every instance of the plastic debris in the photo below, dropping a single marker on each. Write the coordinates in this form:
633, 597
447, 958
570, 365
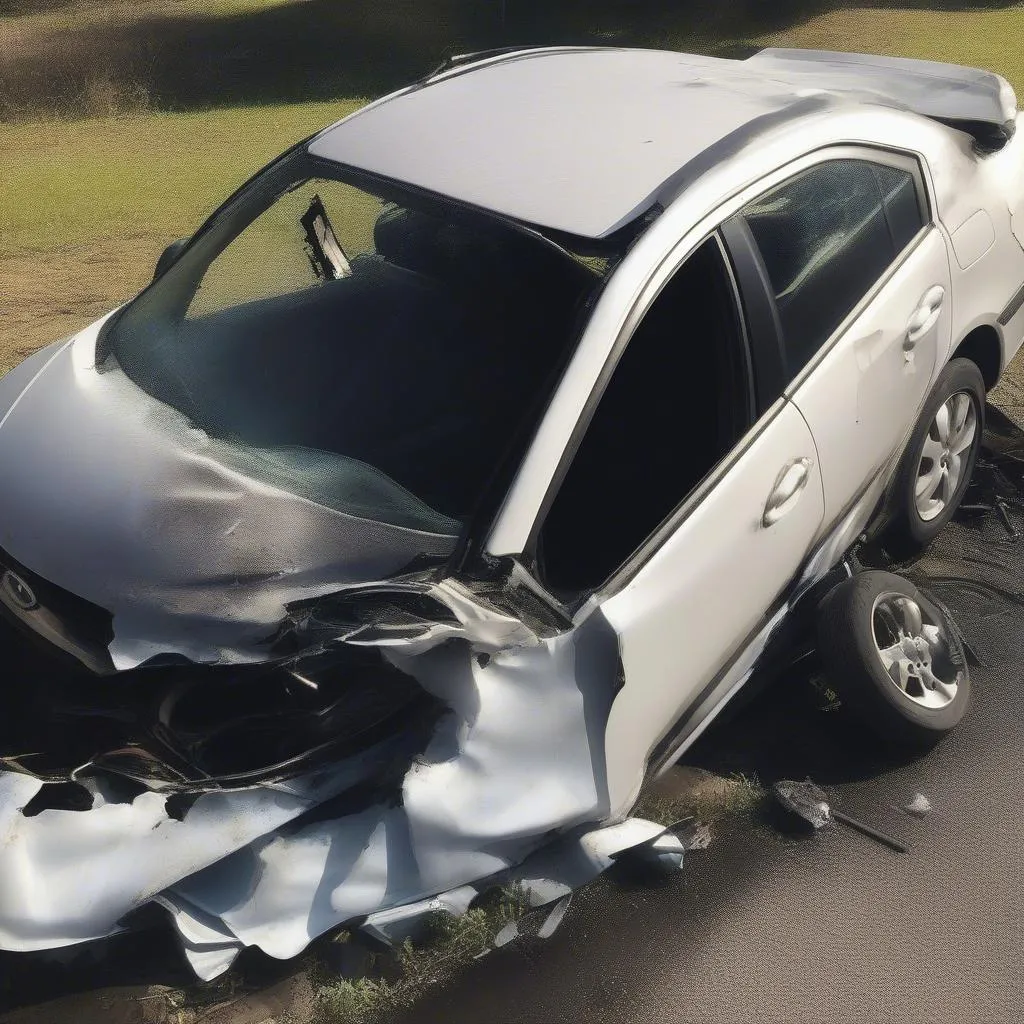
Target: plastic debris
919, 806
555, 918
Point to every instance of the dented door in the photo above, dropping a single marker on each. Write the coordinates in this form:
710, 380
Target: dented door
864, 397
709, 588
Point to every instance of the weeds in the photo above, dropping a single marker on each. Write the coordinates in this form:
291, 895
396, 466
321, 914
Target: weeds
737, 796
450, 944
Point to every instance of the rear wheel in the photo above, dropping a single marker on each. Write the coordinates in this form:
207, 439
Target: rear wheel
937, 466
894, 658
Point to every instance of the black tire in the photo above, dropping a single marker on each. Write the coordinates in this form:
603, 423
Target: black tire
849, 650
907, 533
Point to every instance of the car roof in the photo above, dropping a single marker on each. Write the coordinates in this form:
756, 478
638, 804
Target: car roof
585, 140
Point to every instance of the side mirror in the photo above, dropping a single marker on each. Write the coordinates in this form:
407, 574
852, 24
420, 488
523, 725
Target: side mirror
169, 256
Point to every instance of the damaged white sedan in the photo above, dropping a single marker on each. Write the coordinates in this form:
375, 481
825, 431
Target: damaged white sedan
443, 487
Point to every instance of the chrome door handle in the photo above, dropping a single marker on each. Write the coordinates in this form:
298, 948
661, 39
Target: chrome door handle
923, 319
788, 485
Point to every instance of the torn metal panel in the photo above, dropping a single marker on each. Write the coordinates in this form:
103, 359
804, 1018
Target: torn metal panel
276, 865
980, 102
483, 795
186, 729
388, 615
400, 923
72, 876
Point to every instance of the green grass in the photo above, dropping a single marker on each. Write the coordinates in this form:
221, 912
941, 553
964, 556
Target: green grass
734, 797
69, 15
71, 183
991, 39
448, 948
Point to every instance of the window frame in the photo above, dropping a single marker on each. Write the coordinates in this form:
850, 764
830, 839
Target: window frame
759, 321
652, 290
770, 352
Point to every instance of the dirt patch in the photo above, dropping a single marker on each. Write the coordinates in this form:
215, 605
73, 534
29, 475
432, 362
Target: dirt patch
48, 296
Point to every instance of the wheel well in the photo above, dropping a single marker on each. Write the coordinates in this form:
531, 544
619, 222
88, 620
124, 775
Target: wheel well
983, 348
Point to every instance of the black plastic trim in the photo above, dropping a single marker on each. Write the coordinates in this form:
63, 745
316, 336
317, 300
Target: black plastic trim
763, 327
1012, 307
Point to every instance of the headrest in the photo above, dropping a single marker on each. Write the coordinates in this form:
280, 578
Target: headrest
407, 238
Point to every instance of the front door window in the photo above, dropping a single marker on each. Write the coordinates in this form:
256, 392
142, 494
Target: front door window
675, 405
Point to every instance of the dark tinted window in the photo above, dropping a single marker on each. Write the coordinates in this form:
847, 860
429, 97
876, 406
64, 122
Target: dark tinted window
675, 405
826, 236
902, 206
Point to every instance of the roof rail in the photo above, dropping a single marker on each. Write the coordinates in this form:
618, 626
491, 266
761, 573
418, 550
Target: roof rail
457, 60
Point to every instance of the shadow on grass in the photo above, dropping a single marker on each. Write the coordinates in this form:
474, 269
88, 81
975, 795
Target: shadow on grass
322, 49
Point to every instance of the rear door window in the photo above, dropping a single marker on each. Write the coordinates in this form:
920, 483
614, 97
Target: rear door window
826, 236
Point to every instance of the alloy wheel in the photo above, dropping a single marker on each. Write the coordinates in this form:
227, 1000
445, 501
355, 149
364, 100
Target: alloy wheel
945, 451
914, 651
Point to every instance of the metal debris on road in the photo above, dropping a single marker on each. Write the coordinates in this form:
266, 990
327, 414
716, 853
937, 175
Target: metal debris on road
809, 802
805, 800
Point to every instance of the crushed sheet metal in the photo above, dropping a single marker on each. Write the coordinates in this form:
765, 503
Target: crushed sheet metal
234, 872
394, 926
273, 866
71, 876
209, 948
664, 854
482, 801
487, 629
143, 565
483, 795
572, 862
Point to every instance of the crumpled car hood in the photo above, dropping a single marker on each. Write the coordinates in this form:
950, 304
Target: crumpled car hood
502, 778
117, 499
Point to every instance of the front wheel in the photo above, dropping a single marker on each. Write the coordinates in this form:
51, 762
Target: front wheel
937, 466
894, 658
